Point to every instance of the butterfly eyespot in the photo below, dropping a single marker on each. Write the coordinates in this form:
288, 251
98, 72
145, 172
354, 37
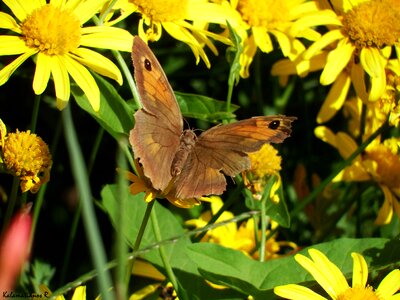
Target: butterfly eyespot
274, 124
147, 64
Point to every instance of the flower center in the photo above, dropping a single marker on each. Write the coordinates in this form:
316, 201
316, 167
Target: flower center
358, 293
162, 10
372, 24
264, 13
51, 30
388, 162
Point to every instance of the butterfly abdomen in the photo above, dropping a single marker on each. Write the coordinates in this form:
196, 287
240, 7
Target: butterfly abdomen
187, 142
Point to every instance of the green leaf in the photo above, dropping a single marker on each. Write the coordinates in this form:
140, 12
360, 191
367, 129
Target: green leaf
114, 115
175, 242
37, 273
234, 269
204, 108
278, 211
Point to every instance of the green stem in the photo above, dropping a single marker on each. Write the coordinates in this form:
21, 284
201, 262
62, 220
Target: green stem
78, 210
168, 269
263, 229
106, 12
143, 226
139, 237
123, 269
128, 75
229, 97
88, 215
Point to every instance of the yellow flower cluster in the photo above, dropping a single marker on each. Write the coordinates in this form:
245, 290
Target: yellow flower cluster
27, 157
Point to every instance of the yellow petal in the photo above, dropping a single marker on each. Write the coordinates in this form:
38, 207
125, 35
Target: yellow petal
337, 61
182, 34
7, 71
335, 99
22, 8
346, 145
42, 73
107, 38
262, 39
84, 80
79, 293
355, 172
12, 45
360, 270
389, 285
284, 42
326, 135
61, 81
297, 292
87, 9
144, 292
372, 61
378, 87
319, 272
385, 212
8, 22
333, 280
324, 17
327, 39
358, 80
374, 64
98, 63
3, 133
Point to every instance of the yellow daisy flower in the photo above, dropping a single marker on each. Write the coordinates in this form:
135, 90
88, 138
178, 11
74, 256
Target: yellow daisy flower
26, 156
141, 183
359, 43
332, 280
380, 163
52, 33
261, 20
185, 21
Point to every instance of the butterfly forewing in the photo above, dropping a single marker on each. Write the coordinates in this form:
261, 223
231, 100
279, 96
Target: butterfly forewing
158, 125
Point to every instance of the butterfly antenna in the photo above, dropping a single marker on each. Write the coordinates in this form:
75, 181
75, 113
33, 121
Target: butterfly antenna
187, 123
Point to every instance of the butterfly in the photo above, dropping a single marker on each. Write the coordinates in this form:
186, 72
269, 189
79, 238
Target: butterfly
190, 166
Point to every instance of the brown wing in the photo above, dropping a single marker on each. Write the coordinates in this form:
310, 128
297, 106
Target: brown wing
197, 180
158, 125
223, 149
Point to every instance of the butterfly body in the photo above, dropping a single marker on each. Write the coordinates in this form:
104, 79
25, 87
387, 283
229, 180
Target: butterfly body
190, 166
187, 142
